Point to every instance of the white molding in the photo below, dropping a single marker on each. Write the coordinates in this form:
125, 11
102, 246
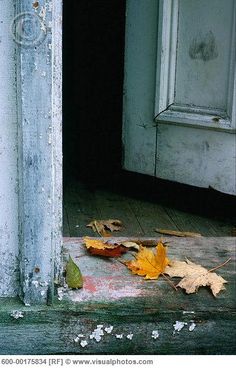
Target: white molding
231, 98
196, 117
166, 54
166, 111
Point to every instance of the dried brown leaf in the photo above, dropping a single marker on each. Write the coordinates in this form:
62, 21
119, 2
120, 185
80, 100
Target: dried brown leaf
130, 244
178, 233
103, 227
194, 276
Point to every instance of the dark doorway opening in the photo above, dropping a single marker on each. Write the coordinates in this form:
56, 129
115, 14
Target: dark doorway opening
94, 34
95, 186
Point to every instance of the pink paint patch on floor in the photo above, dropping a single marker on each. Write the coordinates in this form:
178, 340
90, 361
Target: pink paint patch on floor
107, 289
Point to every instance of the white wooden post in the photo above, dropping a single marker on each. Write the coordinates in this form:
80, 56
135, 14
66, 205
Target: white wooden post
8, 157
37, 31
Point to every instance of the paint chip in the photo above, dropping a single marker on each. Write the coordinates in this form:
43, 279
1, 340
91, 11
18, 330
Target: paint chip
192, 326
179, 325
97, 333
17, 314
130, 336
109, 329
155, 334
83, 343
119, 336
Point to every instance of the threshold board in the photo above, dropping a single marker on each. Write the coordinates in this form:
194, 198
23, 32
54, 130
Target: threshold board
139, 314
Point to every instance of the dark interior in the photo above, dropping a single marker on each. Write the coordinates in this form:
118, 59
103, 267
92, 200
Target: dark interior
94, 32
93, 53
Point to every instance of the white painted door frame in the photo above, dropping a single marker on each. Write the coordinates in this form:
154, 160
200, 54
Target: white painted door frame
37, 30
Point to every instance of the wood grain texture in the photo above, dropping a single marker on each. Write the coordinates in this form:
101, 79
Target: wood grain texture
140, 217
113, 296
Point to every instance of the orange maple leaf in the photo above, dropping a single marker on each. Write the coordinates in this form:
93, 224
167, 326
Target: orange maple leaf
149, 264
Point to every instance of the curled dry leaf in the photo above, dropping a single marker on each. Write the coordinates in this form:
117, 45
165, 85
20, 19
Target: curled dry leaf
103, 227
97, 244
100, 248
178, 233
116, 252
149, 264
130, 244
194, 276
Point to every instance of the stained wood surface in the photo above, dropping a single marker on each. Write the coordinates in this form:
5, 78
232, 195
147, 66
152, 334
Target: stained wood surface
140, 217
112, 296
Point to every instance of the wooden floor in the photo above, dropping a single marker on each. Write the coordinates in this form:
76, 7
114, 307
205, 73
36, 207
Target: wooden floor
140, 217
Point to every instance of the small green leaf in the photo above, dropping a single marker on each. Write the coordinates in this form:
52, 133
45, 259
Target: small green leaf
74, 277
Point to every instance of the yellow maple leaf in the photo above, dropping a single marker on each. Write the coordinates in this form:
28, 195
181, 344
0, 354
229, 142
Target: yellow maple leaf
97, 244
148, 263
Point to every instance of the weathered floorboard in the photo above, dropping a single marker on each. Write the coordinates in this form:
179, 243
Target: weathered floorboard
113, 296
140, 217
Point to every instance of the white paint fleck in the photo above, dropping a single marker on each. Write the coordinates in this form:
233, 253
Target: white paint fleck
83, 343
35, 283
80, 335
192, 326
60, 293
76, 339
97, 333
43, 13
179, 325
43, 74
17, 314
188, 312
130, 336
155, 334
119, 336
50, 6
43, 292
109, 329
